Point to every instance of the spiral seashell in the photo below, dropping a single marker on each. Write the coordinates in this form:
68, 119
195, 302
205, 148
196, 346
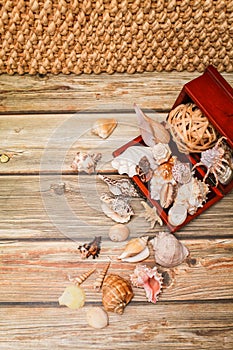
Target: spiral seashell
99, 280
116, 293
161, 153
169, 252
103, 127
81, 278
120, 187
134, 247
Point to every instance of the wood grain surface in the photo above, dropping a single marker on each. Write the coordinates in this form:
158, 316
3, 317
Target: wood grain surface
44, 121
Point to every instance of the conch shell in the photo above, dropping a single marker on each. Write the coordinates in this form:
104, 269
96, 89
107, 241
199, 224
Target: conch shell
120, 187
152, 131
116, 293
169, 252
117, 208
103, 127
86, 162
149, 279
134, 247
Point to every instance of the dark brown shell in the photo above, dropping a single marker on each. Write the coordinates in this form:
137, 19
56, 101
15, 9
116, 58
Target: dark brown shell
117, 293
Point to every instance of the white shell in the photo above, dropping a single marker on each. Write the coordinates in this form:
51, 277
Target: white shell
144, 254
118, 233
155, 185
161, 153
127, 161
117, 208
97, 317
177, 214
182, 172
134, 247
120, 186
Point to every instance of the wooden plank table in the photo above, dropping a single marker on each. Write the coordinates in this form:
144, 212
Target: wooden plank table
44, 121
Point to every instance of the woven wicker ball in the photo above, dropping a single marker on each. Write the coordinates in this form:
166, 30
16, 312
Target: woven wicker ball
190, 129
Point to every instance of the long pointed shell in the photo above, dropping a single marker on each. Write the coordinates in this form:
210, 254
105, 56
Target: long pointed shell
169, 252
134, 247
99, 280
152, 131
117, 293
81, 278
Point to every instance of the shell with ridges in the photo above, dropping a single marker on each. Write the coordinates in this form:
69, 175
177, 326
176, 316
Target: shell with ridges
100, 279
167, 194
117, 208
161, 152
134, 247
81, 278
116, 293
169, 252
120, 186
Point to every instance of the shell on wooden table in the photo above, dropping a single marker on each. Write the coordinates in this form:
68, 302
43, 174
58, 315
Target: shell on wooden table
116, 207
134, 247
81, 278
86, 162
152, 131
149, 279
116, 293
168, 250
119, 187
103, 127
100, 279
118, 233
127, 161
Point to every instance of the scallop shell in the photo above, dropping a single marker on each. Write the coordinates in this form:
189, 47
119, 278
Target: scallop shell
86, 162
118, 233
134, 247
120, 187
97, 317
161, 152
169, 252
152, 131
181, 172
103, 127
116, 293
128, 160
149, 279
117, 208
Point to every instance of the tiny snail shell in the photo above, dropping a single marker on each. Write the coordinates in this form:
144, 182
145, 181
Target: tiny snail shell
97, 317
118, 233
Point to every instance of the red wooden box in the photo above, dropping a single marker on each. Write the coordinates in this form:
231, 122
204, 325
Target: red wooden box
214, 96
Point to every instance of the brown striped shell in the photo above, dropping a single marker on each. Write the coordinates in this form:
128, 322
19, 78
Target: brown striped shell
117, 293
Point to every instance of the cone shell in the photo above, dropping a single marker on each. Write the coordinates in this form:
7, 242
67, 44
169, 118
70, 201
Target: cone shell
99, 280
117, 293
103, 127
169, 252
81, 278
134, 247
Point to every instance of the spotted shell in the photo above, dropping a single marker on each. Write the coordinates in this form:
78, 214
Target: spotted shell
117, 208
181, 172
116, 293
86, 162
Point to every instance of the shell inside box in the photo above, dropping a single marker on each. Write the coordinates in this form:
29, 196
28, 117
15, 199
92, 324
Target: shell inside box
214, 97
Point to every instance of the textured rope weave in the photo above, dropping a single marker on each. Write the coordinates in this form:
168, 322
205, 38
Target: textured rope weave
64, 36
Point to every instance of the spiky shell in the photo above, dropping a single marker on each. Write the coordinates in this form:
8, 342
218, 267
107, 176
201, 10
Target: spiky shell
116, 293
86, 162
134, 247
169, 252
103, 127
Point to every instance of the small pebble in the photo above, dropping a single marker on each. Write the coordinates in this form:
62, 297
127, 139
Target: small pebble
4, 158
118, 233
97, 317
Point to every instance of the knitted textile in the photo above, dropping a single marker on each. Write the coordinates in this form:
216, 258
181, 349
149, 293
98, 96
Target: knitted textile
94, 36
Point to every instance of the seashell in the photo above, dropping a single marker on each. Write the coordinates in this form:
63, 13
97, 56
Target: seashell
165, 169
151, 215
144, 170
80, 279
149, 279
167, 194
103, 127
73, 297
117, 208
152, 131
118, 233
169, 252
177, 214
99, 280
134, 246
90, 249
128, 160
120, 187
86, 162
143, 255
97, 317
181, 172
161, 152
155, 185
116, 293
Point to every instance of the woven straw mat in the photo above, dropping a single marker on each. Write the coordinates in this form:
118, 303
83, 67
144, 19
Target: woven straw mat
94, 36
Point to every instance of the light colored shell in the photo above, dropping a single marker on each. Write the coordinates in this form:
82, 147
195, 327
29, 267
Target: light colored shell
116, 293
182, 172
118, 233
167, 194
169, 252
149, 279
134, 247
128, 160
117, 208
99, 280
143, 255
86, 162
72, 297
152, 131
156, 184
151, 215
81, 278
120, 187
103, 127
97, 317
177, 214
161, 152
